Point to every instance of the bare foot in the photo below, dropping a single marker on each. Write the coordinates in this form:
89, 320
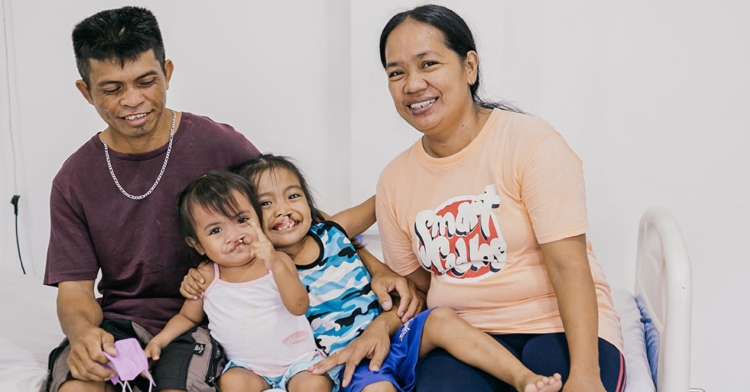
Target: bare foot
538, 383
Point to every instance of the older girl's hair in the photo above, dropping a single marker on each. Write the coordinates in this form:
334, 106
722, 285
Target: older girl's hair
213, 191
254, 168
456, 36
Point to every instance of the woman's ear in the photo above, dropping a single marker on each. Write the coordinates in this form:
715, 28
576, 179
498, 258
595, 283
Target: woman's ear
471, 66
195, 245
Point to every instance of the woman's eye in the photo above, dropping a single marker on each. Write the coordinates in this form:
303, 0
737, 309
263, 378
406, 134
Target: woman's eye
427, 64
394, 74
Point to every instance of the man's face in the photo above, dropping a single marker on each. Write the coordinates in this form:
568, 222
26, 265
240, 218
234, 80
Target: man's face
130, 98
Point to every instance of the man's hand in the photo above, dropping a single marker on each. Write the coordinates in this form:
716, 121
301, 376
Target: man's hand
193, 284
87, 355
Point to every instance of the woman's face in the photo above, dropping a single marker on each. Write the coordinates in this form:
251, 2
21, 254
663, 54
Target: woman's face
429, 82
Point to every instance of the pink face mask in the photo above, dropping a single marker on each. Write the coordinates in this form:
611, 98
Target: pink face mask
129, 362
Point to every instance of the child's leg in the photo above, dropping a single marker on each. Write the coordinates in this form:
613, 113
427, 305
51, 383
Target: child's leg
382, 386
241, 379
445, 329
308, 382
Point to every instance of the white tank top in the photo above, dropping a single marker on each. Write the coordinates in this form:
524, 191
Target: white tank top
249, 320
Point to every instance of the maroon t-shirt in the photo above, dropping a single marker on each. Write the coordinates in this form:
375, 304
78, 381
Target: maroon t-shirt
136, 243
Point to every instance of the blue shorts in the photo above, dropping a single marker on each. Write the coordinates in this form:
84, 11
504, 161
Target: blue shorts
400, 367
280, 382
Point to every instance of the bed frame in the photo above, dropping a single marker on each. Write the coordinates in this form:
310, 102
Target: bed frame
663, 289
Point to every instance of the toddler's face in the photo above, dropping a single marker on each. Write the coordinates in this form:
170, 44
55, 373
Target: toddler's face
226, 239
286, 214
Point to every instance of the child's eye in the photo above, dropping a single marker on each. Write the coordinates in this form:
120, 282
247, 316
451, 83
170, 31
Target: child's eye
294, 196
215, 230
265, 203
242, 220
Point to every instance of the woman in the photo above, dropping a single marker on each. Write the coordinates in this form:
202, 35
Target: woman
486, 214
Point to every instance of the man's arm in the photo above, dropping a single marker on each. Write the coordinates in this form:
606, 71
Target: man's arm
80, 317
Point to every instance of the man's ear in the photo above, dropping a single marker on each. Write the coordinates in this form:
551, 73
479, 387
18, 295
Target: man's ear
84, 89
168, 69
195, 245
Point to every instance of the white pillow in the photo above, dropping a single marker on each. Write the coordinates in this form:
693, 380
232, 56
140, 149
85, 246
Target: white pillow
636, 358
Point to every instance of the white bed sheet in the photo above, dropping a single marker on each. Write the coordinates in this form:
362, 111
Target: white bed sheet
28, 332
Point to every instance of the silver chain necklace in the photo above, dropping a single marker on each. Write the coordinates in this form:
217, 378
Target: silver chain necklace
163, 167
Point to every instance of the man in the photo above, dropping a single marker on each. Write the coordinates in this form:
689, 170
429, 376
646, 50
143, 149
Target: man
113, 210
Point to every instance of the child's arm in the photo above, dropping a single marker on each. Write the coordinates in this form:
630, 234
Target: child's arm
357, 219
190, 316
293, 294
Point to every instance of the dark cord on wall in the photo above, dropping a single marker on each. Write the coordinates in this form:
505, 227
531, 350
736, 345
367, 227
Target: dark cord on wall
14, 201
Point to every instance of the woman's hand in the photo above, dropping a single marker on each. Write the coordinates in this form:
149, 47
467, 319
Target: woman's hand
374, 343
384, 282
193, 284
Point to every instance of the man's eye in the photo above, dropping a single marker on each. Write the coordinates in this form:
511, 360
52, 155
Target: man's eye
148, 82
111, 91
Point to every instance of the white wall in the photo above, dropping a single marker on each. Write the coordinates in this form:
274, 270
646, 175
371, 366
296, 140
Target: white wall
652, 96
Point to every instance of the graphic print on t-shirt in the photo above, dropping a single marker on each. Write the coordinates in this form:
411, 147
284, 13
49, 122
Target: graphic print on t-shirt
461, 238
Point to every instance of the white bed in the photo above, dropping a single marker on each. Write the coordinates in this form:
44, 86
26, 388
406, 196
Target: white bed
663, 287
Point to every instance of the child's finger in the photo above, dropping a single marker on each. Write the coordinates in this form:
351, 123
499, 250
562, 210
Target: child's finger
258, 231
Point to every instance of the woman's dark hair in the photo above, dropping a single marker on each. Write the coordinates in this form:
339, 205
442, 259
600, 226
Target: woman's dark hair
456, 36
214, 192
118, 35
254, 168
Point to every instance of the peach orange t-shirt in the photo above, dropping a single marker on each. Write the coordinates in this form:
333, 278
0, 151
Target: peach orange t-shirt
475, 221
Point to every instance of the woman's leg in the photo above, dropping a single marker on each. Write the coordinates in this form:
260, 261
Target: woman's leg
549, 353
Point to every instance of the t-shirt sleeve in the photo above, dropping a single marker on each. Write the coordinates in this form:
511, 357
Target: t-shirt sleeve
242, 148
396, 246
71, 255
553, 191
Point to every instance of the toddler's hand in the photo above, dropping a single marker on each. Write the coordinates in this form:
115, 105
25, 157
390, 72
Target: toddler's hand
263, 248
152, 350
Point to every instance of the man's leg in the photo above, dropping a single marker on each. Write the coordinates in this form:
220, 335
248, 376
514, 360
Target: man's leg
192, 362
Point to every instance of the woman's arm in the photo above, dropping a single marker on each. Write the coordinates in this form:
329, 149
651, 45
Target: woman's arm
568, 268
357, 219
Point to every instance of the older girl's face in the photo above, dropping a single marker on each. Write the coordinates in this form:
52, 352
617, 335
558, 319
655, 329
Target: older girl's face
429, 82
